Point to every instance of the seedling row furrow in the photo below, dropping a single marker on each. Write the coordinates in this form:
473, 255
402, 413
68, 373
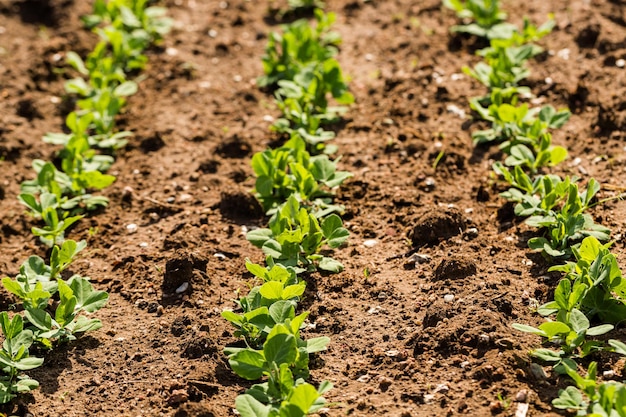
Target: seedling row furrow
295, 185
61, 197
592, 289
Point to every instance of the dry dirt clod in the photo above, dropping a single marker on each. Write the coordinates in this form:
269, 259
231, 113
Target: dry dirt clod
434, 224
178, 396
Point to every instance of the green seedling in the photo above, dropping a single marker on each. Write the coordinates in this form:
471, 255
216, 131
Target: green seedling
131, 16
266, 305
291, 170
569, 225
299, 44
37, 283
14, 358
486, 14
591, 397
597, 288
569, 331
284, 362
295, 237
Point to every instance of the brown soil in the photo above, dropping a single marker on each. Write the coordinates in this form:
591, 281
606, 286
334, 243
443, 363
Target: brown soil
399, 346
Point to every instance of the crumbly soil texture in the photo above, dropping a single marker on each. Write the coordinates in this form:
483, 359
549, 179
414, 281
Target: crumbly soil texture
436, 268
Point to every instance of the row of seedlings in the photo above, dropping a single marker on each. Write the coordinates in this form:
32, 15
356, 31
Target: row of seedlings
593, 288
294, 184
56, 309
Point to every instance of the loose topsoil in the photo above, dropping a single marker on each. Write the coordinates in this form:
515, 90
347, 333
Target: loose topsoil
427, 335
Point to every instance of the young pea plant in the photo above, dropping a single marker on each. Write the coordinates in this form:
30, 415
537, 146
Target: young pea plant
598, 287
266, 305
131, 16
291, 170
15, 358
295, 237
284, 361
299, 44
590, 397
488, 19
565, 228
570, 332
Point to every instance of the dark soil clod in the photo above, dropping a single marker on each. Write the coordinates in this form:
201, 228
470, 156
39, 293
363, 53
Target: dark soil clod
435, 224
182, 268
455, 268
234, 147
240, 205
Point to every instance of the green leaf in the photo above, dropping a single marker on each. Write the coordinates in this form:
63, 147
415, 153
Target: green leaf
280, 348
248, 406
303, 396
247, 363
127, 88
317, 344
258, 237
528, 329
272, 290
578, 321
280, 311
39, 318
569, 398
330, 264
87, 298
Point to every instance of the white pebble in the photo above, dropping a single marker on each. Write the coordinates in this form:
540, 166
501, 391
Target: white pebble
183, 287
132, 228
219, 255
143, 245
370, 243
171, 51
620, 63
212, 33
448, 298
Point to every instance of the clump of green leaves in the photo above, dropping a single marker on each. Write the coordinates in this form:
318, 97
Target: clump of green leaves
299, 44
295, 237
48, 321
15, 358
36, 285
486, 16
306, 73
556, 206
591, 397
291, 170
284, 362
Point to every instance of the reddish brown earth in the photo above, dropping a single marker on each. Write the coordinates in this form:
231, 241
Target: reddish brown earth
398, 349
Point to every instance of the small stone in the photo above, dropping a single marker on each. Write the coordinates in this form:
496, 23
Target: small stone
185, 197
384, 382
364, 378
171, 51
441, 388
219, 256
521, 396
620, 63
183, 287
178, 396
382, 295
538, 372
131, 228
143, 245
419, 258
448, 298
460, 113
212, 33
370, 243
